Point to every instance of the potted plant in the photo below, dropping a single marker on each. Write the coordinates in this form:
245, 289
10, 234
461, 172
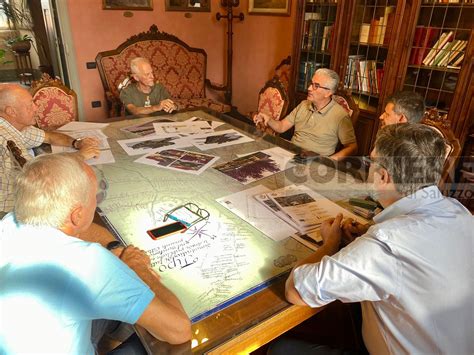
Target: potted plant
19, 44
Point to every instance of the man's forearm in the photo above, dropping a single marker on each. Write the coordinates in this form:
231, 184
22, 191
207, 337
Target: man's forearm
56, 138
347, 151
97, 234
143, 110
277, 126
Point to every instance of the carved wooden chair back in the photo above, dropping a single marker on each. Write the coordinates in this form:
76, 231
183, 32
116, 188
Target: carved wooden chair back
440, 123
283, 72
344, 98
273, 101
56, 103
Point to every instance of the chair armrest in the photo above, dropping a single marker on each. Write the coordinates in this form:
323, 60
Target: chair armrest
114, 105
216, 87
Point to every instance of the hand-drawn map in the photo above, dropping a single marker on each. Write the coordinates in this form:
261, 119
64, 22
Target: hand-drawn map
216, 262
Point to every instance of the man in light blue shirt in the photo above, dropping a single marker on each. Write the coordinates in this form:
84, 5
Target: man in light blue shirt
52, 284
412, 270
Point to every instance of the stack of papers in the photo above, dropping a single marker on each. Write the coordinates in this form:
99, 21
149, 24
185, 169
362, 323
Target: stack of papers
302, 208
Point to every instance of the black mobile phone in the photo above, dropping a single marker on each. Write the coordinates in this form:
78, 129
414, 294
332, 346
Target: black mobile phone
168, 229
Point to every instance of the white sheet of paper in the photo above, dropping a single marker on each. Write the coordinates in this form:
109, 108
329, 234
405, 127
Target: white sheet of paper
93, 133
106, 157
82, 126
244, 205
186, 127
179, 160
213, 124
219, 139
147, 144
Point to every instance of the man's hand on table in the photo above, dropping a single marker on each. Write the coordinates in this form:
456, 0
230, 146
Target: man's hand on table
167, 105
261, 120
88, 148
351, 230
331, 232
134, 257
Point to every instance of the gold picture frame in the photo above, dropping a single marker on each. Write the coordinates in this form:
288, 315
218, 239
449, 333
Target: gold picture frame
146, 5
188, 5
270, 7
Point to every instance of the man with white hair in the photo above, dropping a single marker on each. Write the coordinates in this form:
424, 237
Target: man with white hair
53, 285
18, 136
144, 96
320, 122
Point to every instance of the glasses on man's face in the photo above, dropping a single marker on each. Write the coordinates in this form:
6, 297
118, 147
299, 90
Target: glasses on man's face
16, 153
317, 86
368, 162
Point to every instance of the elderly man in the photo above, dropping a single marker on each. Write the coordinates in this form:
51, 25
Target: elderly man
54, 284
412, 270
18, 136
144, 96
403, 107
320, 122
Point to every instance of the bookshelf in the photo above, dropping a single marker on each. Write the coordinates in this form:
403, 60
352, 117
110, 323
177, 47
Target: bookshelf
316, 29
441, 46
380, 46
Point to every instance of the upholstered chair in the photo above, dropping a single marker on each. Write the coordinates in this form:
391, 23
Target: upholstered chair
344, 98
273, 101
283, 72
56, 103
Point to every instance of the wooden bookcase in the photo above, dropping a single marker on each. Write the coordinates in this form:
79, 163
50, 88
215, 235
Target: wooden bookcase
372, 47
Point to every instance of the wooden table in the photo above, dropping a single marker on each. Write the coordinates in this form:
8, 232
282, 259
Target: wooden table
261, 317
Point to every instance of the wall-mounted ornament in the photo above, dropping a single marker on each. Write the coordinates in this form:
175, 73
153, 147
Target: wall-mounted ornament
270, 7
188, 5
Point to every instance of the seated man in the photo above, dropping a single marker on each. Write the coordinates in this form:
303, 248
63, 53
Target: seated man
145, 96
413, 269
53, 285
403, 107
320, 122
18, 135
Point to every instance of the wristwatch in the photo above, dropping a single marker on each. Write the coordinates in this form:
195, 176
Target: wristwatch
114, 245
74, 143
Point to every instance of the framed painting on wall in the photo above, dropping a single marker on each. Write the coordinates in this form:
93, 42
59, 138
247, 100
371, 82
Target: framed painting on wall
188, 5
270, 7
127, 4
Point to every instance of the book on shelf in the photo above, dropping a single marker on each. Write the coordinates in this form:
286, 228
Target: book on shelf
390, 18
428, 38
364, 33
363, 75
325, 44
440, 43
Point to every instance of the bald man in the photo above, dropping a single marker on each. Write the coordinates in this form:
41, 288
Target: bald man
144, 96
18, 136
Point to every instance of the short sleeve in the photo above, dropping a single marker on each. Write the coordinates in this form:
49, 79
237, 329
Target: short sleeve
32, 137
346, 132
114, 291
291, 117
125, 96
362, 271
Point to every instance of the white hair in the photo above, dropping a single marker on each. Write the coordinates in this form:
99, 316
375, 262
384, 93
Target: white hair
333, 77
49, 187
135, 62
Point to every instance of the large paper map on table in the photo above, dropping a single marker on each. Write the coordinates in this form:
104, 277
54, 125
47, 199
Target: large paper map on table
214, 263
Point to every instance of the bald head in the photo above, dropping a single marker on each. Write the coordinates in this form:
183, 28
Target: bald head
16, 106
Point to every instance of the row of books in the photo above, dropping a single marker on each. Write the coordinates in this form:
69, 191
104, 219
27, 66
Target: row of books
379, 29
316, 35
443, 52
363, 75
307, 69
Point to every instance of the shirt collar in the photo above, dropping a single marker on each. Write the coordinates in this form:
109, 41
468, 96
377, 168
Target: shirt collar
324, 110
422, 197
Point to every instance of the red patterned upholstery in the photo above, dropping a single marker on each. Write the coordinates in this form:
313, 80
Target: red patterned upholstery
180, 68
343, 102
57, 104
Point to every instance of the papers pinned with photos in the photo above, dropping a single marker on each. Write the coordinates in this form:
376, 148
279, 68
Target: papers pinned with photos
179, 160
219, 139
143, 145
258, 165
187, 127
304, 210
145, 129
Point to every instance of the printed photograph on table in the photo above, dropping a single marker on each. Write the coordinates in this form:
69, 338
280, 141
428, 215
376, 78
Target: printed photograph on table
145, 129
257, 165
143, 145
219, 139
270, 7
179, 160
127, 4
